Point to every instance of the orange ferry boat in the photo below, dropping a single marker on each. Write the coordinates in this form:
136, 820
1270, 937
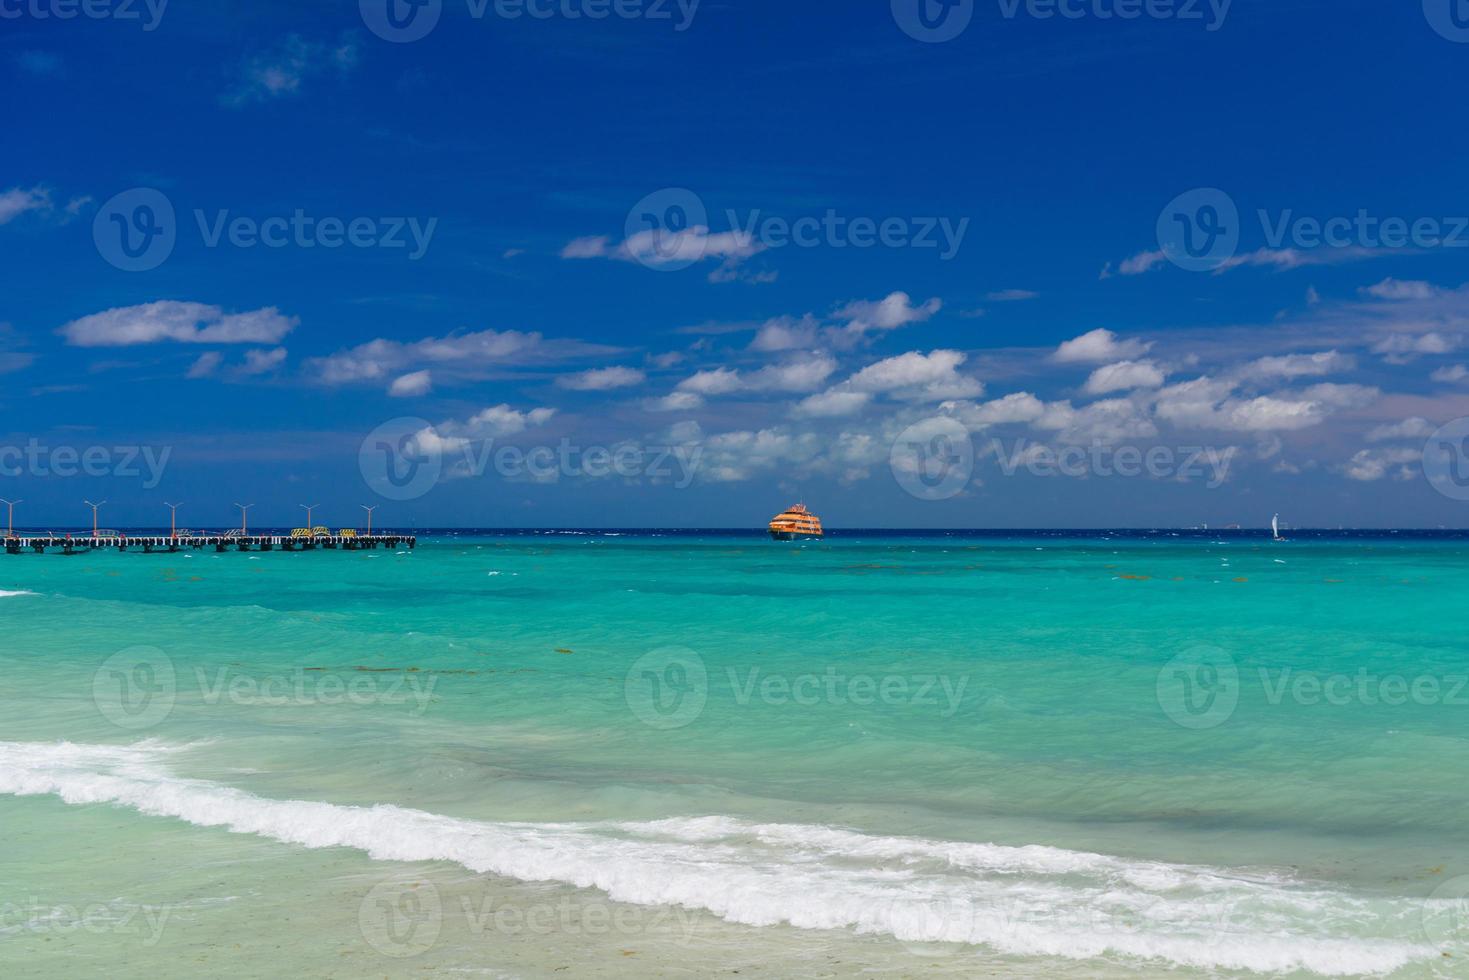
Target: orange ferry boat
798, 522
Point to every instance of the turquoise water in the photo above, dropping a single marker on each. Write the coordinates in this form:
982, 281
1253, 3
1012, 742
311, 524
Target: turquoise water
631, 755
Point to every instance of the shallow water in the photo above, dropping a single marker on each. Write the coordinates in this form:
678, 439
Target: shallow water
510, 756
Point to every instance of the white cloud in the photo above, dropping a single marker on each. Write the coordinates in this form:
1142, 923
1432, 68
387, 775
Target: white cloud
715, 381
785, 333
188, 323
1285, 259
1398, 289
464, 354
1020, 406
1298, 365
1108, 422
602, 379
412, 385
678, 401
1124, 376
589, 247
280, 71
1137, 264
502, 420
893, 311
1207, 403
1373, 464
1411, 428
206, 365
1452, 374
1401, 347
915, 376
263, 361
17, 201
659, 248
830, 404
1098, 346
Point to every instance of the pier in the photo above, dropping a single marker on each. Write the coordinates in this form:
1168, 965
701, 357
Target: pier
150, 543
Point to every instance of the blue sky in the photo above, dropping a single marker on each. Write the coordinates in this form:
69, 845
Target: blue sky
749, 245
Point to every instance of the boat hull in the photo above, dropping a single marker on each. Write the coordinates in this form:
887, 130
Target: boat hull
793, 536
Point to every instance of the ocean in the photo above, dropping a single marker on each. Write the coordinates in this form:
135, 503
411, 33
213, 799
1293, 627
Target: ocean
537, 754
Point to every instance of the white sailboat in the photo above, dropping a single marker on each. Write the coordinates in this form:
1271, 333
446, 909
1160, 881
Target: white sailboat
1275, 527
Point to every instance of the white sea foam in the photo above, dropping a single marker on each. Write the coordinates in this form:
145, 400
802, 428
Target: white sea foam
1033, 900
6, 594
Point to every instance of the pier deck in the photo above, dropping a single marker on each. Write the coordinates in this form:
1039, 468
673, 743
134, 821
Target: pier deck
149, 543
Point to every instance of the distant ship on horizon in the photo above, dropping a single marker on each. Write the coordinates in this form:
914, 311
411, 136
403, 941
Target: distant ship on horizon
796, 522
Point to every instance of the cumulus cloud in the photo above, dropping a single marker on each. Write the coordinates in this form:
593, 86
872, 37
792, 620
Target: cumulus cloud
1452, 374
893, 311
1107, 422
677, 401
170, 320
1124, 376
785, 333
1021, 406
915, 376
412, 385
602, 379
1369, 465
1098, 346
834, 403
1208, 403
